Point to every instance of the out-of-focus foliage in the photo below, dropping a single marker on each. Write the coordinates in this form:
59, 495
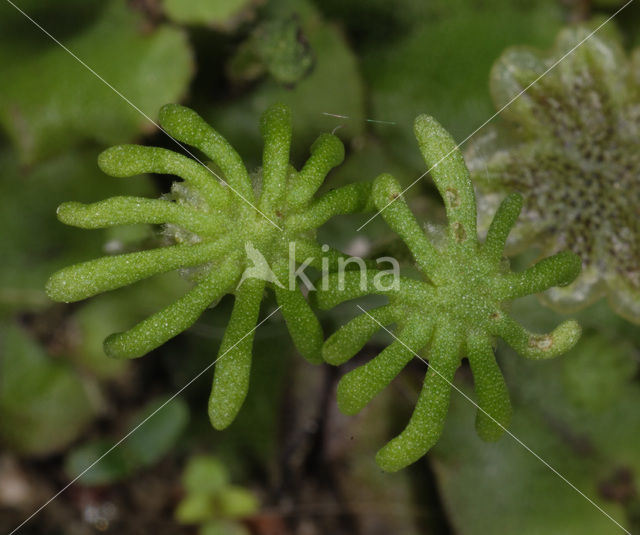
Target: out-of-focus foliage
164, 422
609, 3
28, 225
348, 442
44, 405
481, 482
333, 86
593, 383
441, 66
571, 147
576, 413
115, 312
219, 14
49, 102
212, 501
276, 46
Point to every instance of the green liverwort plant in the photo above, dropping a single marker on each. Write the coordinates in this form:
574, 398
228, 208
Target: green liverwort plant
234, 237
570, 145
458, 309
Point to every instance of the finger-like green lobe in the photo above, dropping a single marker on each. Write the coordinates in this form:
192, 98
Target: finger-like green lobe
187, 126
387, 196
327, 152
90, 278
134, 210
175, 318
351, 338
449, 172
426, 423
129, 160
233, 365
360, 386
276, 130
344, 200
303, 325
556, 270
347, 285
494, 412
502, 223
537, 346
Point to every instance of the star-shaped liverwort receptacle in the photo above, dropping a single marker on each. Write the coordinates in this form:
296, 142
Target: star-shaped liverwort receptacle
458, 309
220, 231
570, 144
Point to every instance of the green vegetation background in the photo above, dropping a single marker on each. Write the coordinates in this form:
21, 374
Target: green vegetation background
377, 65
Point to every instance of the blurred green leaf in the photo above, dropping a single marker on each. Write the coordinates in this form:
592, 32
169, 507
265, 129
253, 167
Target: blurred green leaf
117, 311
598, 370
223, 527
210, 500
113, 467
334, 86
229, 502
43, 404
606, 426
160, 427
237, 502
205, 475
501, 488
149, 67
65, 17
578, 412
38, 242
194, 508
150, 440
442, 66
223, 14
